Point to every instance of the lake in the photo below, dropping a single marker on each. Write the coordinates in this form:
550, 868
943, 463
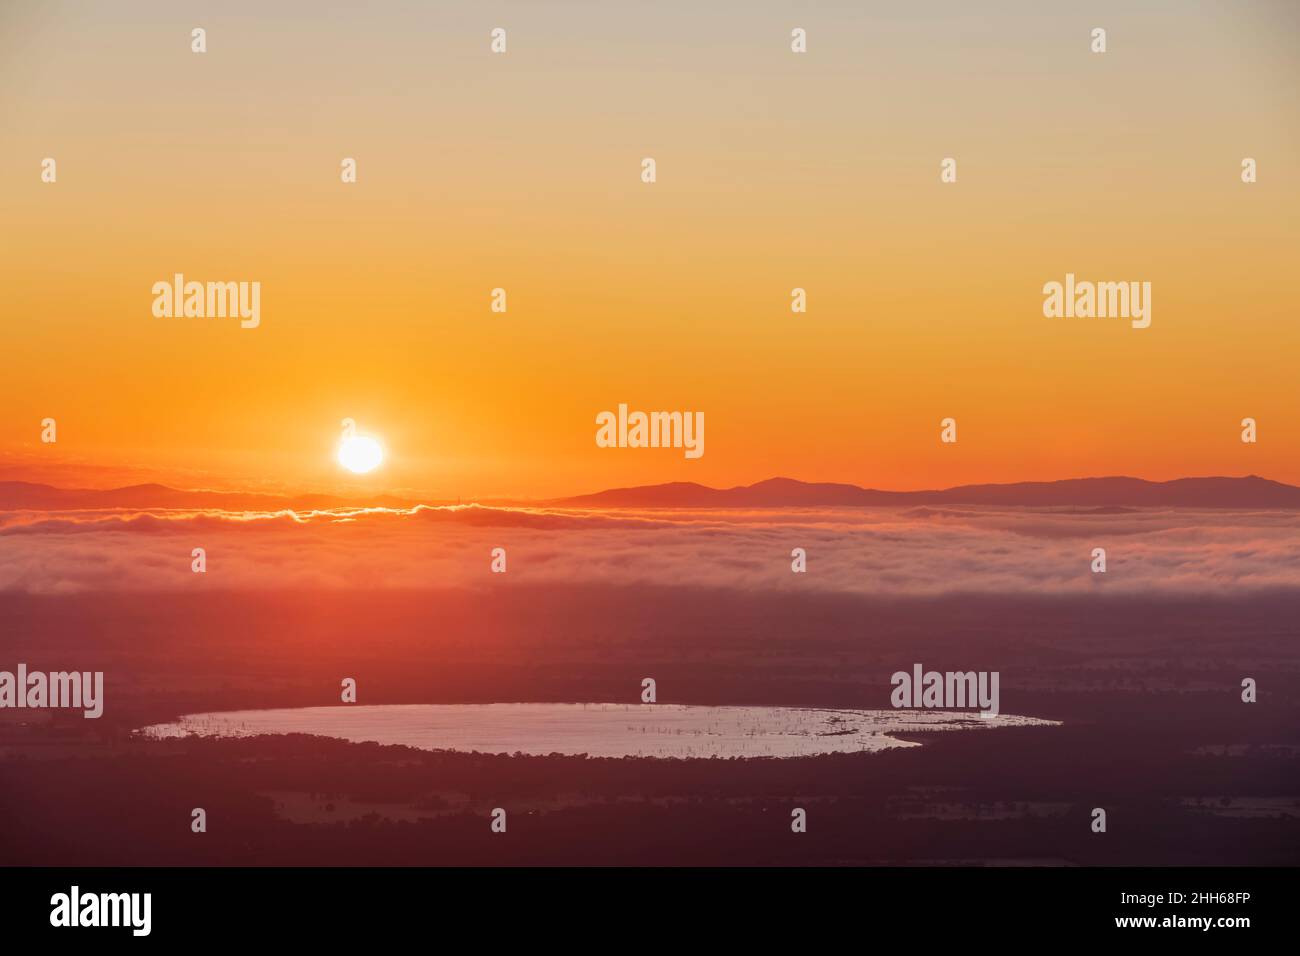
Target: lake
598, 730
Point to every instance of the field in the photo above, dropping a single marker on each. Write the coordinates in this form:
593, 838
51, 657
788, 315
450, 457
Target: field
1147, 690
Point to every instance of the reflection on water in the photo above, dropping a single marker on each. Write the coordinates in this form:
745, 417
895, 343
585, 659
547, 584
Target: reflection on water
598, 730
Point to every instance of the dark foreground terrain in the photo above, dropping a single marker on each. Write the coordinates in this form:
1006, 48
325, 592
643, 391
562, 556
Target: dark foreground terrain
1149, 692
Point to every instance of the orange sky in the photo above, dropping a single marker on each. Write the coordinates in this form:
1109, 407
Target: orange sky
521, 171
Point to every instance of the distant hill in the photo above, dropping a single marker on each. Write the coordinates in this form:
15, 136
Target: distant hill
16, 495
1098, 494
1248, 492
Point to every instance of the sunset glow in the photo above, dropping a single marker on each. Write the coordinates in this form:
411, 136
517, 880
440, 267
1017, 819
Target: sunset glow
923, 298
555, 435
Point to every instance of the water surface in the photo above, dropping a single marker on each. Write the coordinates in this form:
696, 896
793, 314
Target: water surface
598, 730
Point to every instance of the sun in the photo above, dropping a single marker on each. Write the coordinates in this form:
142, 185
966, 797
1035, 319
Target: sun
360, 454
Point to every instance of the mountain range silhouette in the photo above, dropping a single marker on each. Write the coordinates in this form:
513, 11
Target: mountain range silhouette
1250, 491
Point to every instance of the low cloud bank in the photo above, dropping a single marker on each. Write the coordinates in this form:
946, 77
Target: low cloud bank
913, 552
